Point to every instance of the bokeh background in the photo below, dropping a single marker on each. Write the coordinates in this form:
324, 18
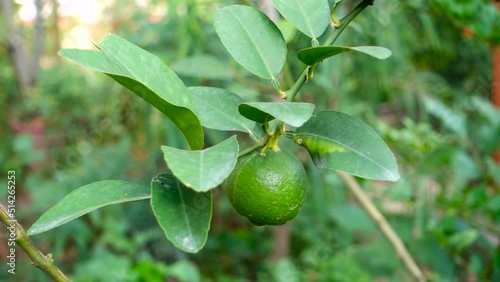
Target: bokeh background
63, 126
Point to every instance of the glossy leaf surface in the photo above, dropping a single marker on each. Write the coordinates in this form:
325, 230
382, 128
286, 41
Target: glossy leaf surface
88, 198
145, 75
205, 169
218, 109
340, 142
310, 17
202, 66
252, 39
183, 214
295, 114
314, 55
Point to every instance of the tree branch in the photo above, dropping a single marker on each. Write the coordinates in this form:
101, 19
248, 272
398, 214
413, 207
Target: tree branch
45, 263
384, 226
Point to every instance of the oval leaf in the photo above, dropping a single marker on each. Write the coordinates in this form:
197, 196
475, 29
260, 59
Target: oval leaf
340, 142
314, 55
310, 17
202, 66
88, 198
183, 214
451, 119
203, 170
295, 114
218, 109
252, 39
145, 75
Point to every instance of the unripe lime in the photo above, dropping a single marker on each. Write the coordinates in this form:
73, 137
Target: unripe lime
268, 190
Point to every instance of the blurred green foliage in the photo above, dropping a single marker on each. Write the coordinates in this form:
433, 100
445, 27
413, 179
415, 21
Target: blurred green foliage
429, 101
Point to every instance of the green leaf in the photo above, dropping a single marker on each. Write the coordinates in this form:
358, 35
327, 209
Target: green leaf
218, 109
183, 214
184, 271
88, 198
493, 204
252, 39
285, 270
145, 75
202, 66
451, 119
310, 17
463, 239
294, 114
314, 55
203, 170
338, 141
287, 30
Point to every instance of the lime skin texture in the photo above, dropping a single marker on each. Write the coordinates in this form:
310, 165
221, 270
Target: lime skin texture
268, 190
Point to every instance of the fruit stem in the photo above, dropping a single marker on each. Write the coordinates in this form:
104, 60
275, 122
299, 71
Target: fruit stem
272, 140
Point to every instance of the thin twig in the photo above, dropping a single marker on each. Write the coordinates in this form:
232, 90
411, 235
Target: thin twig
383, 225
249, 150
344, 22
45, 263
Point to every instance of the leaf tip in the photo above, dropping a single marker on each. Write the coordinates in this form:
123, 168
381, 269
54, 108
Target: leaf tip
63, 52
392, 176
386, 55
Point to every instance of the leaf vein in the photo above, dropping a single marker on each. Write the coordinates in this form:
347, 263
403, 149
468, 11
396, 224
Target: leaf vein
308, 23
184, 211
247, 33
226, 115
348, 147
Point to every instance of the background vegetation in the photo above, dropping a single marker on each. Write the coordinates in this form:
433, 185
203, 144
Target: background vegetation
429, 101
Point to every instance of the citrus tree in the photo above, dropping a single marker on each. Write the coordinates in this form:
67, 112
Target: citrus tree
264, 183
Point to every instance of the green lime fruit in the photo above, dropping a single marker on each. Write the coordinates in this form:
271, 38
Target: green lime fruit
268, 190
